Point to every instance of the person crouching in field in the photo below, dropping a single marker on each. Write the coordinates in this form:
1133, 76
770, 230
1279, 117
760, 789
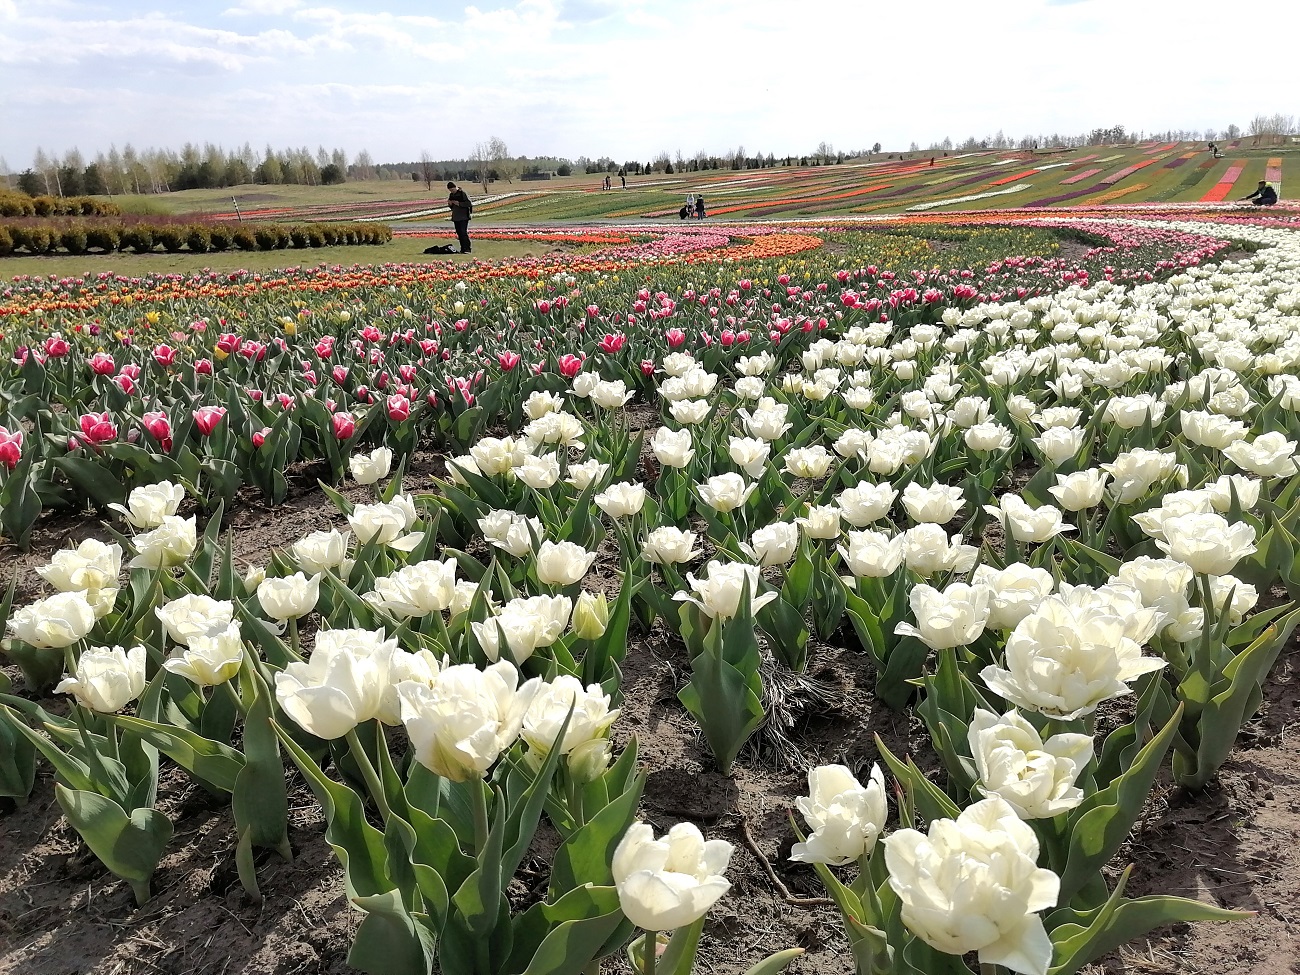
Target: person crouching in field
1264, 195
459, 204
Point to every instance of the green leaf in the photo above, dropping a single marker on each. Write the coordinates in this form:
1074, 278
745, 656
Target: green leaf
358, 845
389, 942
1081, 937
572, 945
259, 801
92, 479
17, 759
215, 765
775, 963
585, 857
130, 846
1101, 823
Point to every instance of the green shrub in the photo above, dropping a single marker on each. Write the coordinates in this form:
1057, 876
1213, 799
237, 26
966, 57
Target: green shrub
172, 238
6, 242
105, 237
39, 240
16, 205
138, 238
220, 237
282, 238
198, 239
243, 239
298, 234
315, 237
74, 240
45, 206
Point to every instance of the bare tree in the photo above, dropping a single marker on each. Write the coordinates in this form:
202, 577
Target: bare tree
501, 161
482, 160
4, 173
427, 173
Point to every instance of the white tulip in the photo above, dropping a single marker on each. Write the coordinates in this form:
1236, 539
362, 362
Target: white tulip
321, 550
866, 503
954, 617
873, 554
1015, 592
511, 532
290, 597
148, 505
194, 615
669, 883
749, 454
168, 545
1207, 543
672, 447
718, 592
621, 500
1036, 777
846, 818
461, 721
775, 544
937, 504
107, 679
591, 716
563, 563
372, 467
668, 546
209, 658
973, 884
340, 686
55, 622
416, 590
726, 492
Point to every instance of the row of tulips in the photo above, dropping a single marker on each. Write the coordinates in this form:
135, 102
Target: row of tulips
218, 404
1150, 435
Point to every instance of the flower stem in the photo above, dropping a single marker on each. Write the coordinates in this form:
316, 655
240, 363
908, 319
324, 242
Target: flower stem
294, 644
481, 827
649, 951
368, 772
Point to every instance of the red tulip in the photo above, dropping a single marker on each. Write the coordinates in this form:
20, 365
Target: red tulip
508, 360
570, 365
325, 346
160, 428
11, 447
259, 437
98, 428
399, 407
544, 307
164, 355
675, 338
648, 367
56, 347
130, 369
206, 418
203, 367
593, 311
125, 383
228, 343
344, 425
102, 364
612, 343
372, 334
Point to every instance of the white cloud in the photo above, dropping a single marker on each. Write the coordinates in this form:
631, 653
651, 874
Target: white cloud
264, 8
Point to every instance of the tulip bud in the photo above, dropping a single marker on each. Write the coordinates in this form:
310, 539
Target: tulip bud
591, 616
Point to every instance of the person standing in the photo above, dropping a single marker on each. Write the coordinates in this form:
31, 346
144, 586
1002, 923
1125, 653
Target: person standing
622, 177
699, 208
458, 202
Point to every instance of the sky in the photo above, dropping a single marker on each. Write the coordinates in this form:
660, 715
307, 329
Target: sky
627, 79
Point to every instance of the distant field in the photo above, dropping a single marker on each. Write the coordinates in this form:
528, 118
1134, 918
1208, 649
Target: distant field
1096, 175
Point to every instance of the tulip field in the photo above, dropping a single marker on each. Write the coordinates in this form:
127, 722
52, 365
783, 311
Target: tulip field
912, 597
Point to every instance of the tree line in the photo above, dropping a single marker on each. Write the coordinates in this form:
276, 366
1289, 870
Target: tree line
154, 170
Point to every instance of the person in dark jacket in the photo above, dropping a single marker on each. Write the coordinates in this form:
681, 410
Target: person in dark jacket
459, 204
699, 208
1264, 195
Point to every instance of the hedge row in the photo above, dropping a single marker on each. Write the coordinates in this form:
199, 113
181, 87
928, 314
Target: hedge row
198, 238
21, 205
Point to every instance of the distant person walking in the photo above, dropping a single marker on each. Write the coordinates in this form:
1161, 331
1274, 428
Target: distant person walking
1264, 195
458, 202
622, 177
699, 208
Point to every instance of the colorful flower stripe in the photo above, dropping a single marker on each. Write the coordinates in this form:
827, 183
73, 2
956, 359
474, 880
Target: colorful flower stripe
1012, 179
1116, 194
1164, 148
1082, 161
1223, 187
1273, 173
1128, 171
1079, 177
558, 236
930, 205
1180, 160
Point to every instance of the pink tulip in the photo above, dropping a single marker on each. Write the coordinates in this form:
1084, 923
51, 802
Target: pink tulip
570, 365
164, 355
344, 425
125, 383
206, 418
508, 360
56, 347
160, 428
98, 428
399, 407
11, 447
612, 343
259, 437
101, 364
203, 367
675, 338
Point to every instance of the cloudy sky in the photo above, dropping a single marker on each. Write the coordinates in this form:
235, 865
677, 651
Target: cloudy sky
624, 78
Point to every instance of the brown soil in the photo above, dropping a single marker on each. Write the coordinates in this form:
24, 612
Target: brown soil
1237, 844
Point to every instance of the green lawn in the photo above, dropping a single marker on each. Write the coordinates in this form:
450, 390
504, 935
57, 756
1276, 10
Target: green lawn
400, 250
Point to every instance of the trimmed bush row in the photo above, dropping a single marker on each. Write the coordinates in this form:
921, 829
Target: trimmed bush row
21, 205
198, 238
